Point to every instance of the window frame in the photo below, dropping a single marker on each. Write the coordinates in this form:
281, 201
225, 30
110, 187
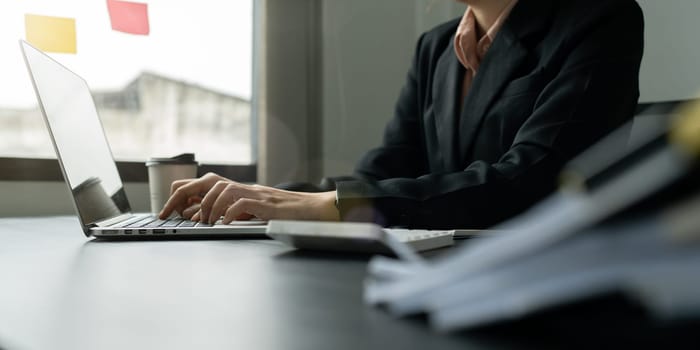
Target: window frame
42, 169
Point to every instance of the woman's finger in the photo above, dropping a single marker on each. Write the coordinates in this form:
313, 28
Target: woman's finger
179, 198
190, 211
179, 183
246, 207
210, 198
232, 193
196, 216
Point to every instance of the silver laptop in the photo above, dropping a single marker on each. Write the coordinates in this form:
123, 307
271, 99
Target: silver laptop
89, 168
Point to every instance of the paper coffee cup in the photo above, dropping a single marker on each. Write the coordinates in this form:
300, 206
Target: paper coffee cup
163, 171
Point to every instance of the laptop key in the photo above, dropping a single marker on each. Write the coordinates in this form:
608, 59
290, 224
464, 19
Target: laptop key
143, 222
156, 223
171, 223
187, 223
128, 221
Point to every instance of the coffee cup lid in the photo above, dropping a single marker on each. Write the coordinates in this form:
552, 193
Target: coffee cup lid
185, 158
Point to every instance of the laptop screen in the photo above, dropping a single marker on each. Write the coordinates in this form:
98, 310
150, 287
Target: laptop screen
78, 137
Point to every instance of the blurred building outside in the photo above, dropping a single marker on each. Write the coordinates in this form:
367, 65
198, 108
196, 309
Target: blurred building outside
152, 116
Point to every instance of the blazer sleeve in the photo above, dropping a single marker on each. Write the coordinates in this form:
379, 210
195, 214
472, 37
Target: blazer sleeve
595, 90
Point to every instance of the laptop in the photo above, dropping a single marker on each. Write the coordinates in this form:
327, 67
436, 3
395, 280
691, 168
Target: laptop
89, 168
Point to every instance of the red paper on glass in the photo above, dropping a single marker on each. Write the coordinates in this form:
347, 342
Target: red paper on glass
129, 17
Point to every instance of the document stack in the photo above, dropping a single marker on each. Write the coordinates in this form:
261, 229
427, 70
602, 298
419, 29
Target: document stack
625, 220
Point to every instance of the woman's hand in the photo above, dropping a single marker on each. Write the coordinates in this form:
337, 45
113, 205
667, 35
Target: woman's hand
236, 201
185, 195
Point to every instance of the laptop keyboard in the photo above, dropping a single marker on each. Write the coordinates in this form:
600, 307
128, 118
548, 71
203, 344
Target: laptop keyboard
155, 222
152, 225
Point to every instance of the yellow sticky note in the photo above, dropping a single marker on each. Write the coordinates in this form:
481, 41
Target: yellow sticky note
51, 34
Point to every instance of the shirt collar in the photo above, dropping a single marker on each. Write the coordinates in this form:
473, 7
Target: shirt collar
468, 50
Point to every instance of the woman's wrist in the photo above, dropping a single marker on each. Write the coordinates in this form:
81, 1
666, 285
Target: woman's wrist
328, 207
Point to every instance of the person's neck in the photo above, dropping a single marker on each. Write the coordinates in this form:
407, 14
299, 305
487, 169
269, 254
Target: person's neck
486, 12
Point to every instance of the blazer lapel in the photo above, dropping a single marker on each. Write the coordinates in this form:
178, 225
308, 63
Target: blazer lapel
502, 60
446, 94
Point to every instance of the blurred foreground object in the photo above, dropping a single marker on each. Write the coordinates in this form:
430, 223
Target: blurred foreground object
626, 220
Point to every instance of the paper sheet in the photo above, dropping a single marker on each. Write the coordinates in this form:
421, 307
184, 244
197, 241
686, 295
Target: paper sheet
129, 17
51, 34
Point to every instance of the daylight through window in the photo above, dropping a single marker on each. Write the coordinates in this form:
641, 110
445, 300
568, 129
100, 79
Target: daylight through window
167, 76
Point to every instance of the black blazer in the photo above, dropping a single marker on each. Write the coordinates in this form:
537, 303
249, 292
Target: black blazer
558, 76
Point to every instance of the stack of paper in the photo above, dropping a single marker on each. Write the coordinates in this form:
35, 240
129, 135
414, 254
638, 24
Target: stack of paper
568, 248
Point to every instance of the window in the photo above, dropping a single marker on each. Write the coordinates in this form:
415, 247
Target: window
186, 86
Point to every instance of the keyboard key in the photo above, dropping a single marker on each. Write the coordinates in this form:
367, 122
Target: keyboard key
171, 223
143, 222
187, 223
155, 223
128, 221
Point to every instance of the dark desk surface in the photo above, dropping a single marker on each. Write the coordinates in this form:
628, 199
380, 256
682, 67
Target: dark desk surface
60, 290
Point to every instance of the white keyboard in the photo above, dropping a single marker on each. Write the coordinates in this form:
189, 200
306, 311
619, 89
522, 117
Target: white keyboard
422, 240
356, 237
